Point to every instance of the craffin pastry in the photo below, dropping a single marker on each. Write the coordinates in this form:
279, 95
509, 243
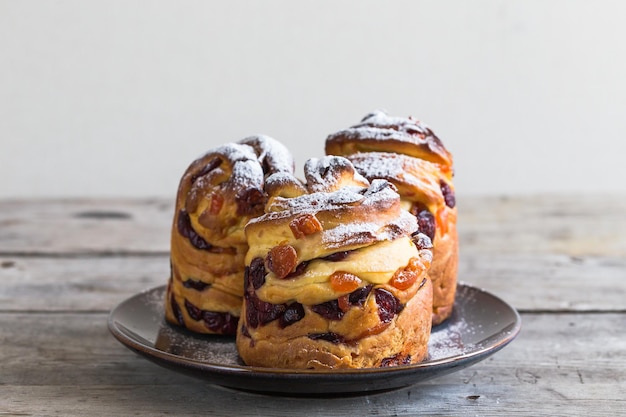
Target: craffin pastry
408, 154
217, 196
335, 277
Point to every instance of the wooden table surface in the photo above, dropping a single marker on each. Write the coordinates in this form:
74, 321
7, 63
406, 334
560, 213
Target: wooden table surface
560, 260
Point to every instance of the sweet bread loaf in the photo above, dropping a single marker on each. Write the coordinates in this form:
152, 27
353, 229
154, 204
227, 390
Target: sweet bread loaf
336, 277
217, 195
408, 154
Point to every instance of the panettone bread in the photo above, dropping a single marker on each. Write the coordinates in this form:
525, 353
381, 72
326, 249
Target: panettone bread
408, 154
217, 196
335, 278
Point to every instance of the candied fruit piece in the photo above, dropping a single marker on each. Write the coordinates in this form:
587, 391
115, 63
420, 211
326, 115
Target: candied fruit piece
217, 201
341, 281
281, 260
344, 303
304, 225
405, 277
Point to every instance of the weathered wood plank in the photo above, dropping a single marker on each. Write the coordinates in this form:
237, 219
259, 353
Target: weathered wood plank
76, 284
573, 225
85, 226
527, 281
583, 225
68, 364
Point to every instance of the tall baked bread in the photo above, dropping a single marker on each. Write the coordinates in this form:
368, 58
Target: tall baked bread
408, 154
217, 196
335, 278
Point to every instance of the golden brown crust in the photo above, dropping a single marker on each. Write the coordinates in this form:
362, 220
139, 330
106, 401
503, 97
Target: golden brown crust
218, 194
379, 132
408, 154
359, 339
334, 278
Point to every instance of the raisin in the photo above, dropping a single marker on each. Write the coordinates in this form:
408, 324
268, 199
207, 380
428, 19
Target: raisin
395, 361
186, 230
251, 202
329, 337
293, 313
300, 269
223, 323
388, 305
337, 256
329, 310
244, 331
425, 220
194, 312
176, 310
255, 273
421, 241
196, 284
281, 260
448, 194
358, 297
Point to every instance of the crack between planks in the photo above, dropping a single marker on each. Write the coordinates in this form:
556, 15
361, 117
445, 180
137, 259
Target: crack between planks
85, 255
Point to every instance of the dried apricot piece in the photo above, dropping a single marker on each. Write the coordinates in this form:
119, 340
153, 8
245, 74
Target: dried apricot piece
304, 225
341, 281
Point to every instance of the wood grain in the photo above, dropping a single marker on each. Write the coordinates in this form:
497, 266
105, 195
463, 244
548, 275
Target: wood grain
529, 282
64, 264
68, 364
571, 225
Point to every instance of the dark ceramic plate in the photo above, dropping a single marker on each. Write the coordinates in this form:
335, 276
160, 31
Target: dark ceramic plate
481, 325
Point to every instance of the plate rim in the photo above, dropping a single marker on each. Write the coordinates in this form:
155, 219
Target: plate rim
163, 357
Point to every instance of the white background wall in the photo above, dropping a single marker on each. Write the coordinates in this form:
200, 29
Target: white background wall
115, 98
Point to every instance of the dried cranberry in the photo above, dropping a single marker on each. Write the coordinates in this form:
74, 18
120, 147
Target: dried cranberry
223, 323
395, 361
421, 241
358, 296
194, 312
196, 284
329, 337
251, 202
255, 273
329, 310
293, 313
388, 305
300, 269
425, 220
176, 310
337, 256
244, 331
273, 312
186, 230
448, 194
